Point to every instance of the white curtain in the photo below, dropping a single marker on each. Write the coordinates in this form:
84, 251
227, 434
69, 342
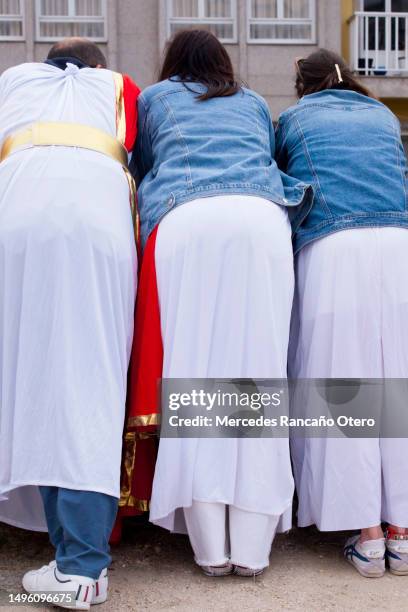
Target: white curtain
223, 31
273, 9
10, 28
91, 8
54, 7
185, 8
281, 32
94, 28
281, 9
212, 9
58, 8
203, 9
296, 9
264, 9
10, 7
217, 8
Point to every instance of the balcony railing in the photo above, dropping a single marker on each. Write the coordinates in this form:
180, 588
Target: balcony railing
379, 43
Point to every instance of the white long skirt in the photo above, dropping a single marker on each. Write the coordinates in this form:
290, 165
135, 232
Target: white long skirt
68, 271
351, 321
225, 280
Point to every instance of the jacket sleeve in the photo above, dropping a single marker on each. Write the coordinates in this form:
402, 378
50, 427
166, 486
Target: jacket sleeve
280, 145
300, 194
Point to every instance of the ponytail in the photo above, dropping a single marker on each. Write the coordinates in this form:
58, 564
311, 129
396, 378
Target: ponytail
326, 70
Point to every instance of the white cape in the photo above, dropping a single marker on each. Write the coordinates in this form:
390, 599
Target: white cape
68, 270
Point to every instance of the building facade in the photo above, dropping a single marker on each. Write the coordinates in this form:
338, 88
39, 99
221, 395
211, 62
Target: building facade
263, 37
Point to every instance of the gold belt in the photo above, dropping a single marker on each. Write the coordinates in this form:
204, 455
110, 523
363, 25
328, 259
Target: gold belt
65, 135
73, 135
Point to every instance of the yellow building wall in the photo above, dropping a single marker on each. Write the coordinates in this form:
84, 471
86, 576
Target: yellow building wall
347, 10
399, 107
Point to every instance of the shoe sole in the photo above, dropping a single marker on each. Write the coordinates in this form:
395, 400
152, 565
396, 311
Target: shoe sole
216, 575
99, 600
78, 606
399, 572
245, 573
379, 574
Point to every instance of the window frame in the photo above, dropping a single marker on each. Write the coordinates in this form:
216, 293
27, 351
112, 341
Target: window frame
18, 19
69, 19
281, 20
199, 21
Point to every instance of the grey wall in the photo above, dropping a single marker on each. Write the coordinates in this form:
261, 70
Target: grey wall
136, 31
136, 38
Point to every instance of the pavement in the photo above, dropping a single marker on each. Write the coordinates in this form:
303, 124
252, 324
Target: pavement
154, 571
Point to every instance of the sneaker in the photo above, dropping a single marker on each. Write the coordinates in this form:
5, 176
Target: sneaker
217, 571
49, 579
247, 572
367, 557
397, 556
100, 594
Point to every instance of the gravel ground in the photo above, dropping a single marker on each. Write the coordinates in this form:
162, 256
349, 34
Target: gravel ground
153, 570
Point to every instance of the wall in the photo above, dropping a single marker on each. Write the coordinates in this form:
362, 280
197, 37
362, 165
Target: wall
137, 35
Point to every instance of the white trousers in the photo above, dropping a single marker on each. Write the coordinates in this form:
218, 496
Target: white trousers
225, 280
220, 533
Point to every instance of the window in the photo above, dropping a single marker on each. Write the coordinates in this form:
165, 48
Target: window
218, 16
57, 19
281, 21
379, 37
382, 29
11, 20
380, 6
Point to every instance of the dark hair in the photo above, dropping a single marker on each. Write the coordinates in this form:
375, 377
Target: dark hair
318, 72
197, 56
81, 48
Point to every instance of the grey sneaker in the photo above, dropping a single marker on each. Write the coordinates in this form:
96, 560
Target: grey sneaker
246, 572
367, 557
397, 556
217, 571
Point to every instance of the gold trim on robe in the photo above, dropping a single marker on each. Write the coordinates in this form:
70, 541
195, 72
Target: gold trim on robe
126, 498
121, 136
144, 420
120, 107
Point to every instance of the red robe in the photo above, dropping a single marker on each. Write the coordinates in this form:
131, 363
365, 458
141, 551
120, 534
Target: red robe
140, 439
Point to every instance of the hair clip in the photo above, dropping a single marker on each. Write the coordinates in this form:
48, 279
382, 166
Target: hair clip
339, 73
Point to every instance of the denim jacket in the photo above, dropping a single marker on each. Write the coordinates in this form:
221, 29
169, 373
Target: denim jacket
188, 149
349, 147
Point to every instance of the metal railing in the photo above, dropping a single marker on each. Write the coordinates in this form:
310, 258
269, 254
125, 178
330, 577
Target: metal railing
379, 43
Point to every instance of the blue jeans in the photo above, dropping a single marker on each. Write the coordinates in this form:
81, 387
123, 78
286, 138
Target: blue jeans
79, 524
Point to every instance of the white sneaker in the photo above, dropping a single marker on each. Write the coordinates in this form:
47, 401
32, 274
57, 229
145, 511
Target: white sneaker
367, 557
48, 579
397, 556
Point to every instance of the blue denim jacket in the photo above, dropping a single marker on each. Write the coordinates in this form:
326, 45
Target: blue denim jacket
188, 149
349, 147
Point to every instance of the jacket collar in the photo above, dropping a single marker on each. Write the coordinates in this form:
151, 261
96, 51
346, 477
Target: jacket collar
61, 62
